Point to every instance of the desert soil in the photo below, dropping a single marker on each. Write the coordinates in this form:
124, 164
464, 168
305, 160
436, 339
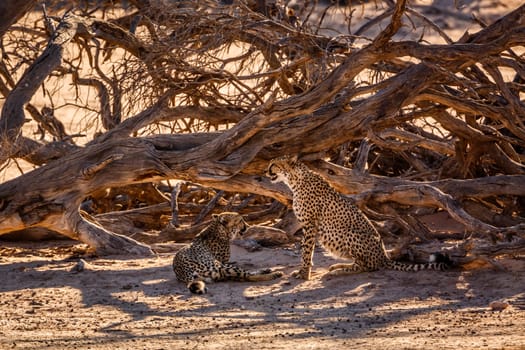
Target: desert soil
125, 303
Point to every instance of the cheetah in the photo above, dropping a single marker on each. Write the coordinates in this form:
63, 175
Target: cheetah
206, 258
337, 224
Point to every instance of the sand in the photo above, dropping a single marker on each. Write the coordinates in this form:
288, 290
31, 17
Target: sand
124, 303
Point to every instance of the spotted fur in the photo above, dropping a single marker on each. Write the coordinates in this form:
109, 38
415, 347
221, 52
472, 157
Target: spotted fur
206, 258
338, 225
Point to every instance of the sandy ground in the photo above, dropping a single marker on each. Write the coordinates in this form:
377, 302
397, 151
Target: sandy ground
137, 303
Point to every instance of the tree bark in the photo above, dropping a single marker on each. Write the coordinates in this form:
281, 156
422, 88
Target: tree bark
11, 11
292, 108
13, 117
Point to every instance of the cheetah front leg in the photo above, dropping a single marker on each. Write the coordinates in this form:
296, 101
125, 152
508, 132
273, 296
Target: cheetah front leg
307, 253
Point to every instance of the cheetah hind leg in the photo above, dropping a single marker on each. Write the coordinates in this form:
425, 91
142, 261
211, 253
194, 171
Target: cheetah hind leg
236, 273
345, 269
264, 275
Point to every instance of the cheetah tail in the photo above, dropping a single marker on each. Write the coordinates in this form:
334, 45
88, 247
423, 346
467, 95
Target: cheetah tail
197, 287
438, 262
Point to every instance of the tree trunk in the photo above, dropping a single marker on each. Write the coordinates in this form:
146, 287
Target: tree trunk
309, 97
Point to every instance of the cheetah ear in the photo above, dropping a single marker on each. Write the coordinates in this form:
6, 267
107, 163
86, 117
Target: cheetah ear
292, 160
220, 219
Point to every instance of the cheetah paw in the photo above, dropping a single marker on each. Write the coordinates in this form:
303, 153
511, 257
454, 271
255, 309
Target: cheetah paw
336, 267
335, 272
304, 275
273, 274
277, 274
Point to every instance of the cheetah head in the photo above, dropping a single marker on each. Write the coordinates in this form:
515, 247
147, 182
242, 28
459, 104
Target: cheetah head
280, 168
230, 224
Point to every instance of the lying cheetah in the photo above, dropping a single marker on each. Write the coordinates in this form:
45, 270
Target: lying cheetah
208, 255
336, 222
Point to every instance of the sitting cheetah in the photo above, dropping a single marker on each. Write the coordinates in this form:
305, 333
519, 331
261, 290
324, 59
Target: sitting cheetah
208, 255
339, 225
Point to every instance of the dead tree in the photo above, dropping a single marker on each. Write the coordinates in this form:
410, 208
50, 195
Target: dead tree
208, 93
